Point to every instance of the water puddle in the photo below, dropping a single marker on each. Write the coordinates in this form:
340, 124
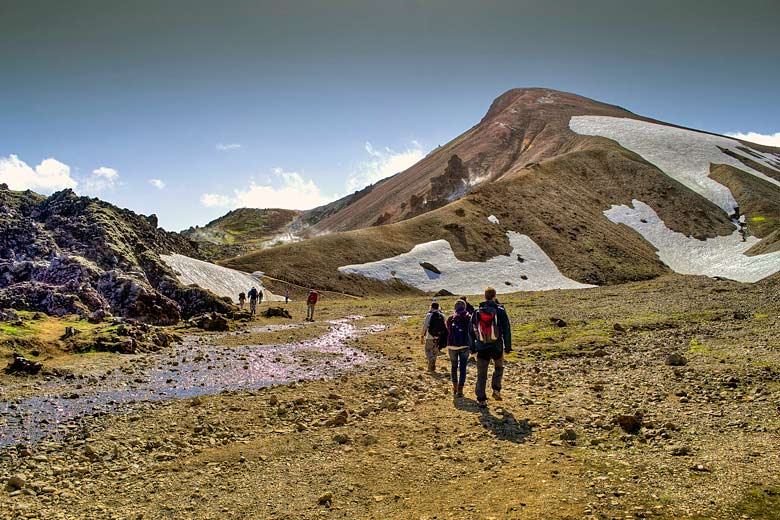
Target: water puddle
196, 367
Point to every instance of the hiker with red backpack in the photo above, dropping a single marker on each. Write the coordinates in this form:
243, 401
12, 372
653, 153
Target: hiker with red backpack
490, 336
311, 301
458, 325
434, 334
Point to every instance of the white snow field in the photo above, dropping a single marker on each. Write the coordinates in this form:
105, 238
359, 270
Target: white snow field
502, 272
217, 279
719, 256
493, 219
684, 155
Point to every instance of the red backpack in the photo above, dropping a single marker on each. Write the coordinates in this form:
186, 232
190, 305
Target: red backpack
312, 297
486, 327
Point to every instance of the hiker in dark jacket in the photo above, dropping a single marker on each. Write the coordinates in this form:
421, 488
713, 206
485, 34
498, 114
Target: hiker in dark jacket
469, 307
241, 300
253, 295
458, 325
434, 327
490, 337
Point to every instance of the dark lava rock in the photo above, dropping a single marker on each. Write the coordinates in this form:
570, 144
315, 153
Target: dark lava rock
66, 254
214, 322
630, 423
676, 360
618, 327
558, 322
280, 312
22, 365
430, 267
443, 292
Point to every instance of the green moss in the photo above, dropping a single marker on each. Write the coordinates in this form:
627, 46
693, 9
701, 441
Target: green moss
760, 503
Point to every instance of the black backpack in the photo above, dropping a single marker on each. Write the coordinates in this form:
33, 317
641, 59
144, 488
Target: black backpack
436, 325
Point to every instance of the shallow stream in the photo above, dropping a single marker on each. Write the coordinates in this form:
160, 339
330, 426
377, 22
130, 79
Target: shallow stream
197, 366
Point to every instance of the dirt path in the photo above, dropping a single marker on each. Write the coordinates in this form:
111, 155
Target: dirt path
390, 441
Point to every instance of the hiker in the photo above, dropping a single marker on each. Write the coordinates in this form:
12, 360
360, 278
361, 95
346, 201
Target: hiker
311, 301
490, 336
434, 329
253, 294
469, 307
458, 345
286, 296
241, 300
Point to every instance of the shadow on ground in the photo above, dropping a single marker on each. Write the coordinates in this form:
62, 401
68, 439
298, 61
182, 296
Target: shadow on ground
503, 425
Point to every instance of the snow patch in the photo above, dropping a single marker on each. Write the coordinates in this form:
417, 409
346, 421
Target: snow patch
222, 281
493, 219
536, 272
719, 256
684, 155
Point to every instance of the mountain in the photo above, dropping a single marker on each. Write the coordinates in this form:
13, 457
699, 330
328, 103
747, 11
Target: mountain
66, 254
243, 230
573, 191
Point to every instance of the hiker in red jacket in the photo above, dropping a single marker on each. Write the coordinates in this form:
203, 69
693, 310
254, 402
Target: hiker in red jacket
311, 301
490, 336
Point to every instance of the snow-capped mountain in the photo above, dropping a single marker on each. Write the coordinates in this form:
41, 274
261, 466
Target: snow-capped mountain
591, 192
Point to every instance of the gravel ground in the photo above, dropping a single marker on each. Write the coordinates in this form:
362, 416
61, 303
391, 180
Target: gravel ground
388, 440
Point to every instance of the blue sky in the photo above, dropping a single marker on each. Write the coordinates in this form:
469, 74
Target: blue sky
189, 108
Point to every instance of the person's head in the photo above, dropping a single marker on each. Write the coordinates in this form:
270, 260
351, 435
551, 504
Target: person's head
460, 305
490, 294
435, 306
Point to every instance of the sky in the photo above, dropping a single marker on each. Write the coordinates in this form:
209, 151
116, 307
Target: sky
188, 109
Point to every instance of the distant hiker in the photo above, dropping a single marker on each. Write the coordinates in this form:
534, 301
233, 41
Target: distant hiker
311, 301
469, 307
458, 345
286, 295
241, 300
253, 294
490, 336
434, 334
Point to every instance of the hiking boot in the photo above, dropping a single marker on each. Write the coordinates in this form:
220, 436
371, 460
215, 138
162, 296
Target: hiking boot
455, 390
460, 391
497, 395
482, 404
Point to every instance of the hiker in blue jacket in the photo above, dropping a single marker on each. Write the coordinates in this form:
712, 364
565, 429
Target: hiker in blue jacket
458, 325
490, 337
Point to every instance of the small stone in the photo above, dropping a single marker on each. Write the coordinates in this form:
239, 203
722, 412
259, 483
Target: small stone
679, 450
342, 438
676, 360
569, 435
325, 499
630, 423
618, 327
14, 483
273, 400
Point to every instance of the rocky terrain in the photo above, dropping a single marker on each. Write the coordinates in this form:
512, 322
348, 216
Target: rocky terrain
656, 399
66, 254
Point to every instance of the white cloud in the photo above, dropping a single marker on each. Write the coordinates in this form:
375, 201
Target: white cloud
755, 137
157, 183
214, 200
101, 179
291, 191
383, 163
228, 146
49, 176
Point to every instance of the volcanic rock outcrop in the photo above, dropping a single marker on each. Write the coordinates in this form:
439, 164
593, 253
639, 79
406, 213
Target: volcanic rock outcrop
66, 254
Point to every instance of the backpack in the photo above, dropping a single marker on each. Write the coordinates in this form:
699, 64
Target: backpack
486, 326
459, 330
436, 325
312, 297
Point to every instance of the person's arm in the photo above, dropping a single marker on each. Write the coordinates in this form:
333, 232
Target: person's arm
506, 331
426, 322
472, 339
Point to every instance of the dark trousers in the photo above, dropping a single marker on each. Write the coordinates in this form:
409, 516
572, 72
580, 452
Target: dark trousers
483, 362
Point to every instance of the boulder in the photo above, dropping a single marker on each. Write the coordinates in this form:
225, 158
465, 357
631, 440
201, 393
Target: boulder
676, 360
22, 365
214, 322
277, 312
